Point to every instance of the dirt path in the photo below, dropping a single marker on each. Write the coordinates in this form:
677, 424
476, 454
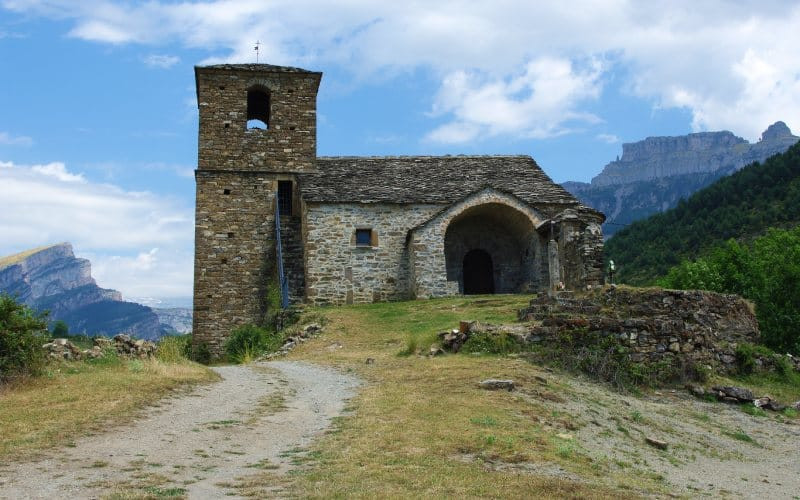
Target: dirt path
255, 418
714, 450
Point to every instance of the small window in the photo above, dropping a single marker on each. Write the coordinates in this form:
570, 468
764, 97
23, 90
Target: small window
257, 109
363, 237
285, 197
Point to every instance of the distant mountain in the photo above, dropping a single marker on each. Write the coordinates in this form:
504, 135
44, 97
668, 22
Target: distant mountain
654, 174
53, 279
174, 319
741, 206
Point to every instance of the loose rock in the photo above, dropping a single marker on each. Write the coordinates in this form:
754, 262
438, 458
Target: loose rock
657, 443
496, 385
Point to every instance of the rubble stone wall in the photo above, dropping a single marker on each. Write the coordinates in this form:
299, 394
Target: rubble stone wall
340, 272
655, 324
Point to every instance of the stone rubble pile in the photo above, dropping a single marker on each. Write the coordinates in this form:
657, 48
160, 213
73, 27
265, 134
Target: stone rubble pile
454, 340
740, 396
123, 344
304, 334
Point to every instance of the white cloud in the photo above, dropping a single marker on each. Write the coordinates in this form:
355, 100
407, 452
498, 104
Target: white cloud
733, 67
10, 140
540, 102
162, 61
608, 138
139, 243
59, 171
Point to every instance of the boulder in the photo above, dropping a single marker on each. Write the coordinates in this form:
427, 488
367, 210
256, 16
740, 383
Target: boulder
493, 384
657, 443
740, 394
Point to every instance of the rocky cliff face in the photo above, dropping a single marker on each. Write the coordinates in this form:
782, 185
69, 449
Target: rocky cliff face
653, 174
53, 279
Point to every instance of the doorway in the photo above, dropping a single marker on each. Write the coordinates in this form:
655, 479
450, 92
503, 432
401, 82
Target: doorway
478, 273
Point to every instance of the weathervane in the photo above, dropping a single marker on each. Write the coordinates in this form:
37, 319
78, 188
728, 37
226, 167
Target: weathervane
256, 49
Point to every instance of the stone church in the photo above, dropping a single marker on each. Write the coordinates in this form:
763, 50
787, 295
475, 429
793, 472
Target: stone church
343, 230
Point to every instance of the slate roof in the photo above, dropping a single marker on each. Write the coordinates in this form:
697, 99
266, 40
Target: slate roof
429, 179
262, 68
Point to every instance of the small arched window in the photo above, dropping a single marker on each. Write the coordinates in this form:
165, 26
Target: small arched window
258, 108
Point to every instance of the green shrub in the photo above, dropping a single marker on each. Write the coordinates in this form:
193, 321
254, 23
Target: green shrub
174, 349
492, 343
412, 346
200, 353
60, 329
22, 333
248, 342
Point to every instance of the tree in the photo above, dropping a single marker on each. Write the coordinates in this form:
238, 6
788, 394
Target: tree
60, 329
22, 333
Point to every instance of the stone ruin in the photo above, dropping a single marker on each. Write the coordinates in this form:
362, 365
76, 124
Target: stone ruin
698, 327
123, 344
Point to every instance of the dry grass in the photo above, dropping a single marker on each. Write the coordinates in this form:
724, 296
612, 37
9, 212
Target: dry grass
76, 399
10, 260
421, 427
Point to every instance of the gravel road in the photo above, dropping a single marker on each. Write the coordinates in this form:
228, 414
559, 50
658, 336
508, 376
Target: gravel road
201, 441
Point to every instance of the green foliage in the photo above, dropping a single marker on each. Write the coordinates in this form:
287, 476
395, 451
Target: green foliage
412, 346
22, 333
492, 343
201, 353
272, 319
60, 329
249, 342
746, 355
173, 349
739, 206
767, 271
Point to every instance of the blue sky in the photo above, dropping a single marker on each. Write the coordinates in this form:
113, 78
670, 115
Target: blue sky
98, 120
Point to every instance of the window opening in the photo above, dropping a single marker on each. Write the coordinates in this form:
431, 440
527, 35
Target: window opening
363, 237
257, 109
285, 197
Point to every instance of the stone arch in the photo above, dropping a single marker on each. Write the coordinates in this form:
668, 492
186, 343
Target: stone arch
497, 222
258, 107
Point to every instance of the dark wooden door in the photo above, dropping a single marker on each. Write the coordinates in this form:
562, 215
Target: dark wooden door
478, 273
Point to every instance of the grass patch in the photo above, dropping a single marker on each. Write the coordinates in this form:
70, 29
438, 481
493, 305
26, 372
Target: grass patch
740, 435
76, 398
753, 410
420, 426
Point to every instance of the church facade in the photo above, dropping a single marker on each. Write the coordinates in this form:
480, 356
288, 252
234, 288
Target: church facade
343, 230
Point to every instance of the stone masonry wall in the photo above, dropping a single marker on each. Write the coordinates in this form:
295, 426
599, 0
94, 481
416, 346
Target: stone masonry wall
655, 324
429, 269
238, 170
338, 271
234, 252
290, 142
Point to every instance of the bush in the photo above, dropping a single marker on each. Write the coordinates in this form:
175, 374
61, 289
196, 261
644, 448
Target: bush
22, 333
174, 349
60, 329
492, 343
248, 342
200, 353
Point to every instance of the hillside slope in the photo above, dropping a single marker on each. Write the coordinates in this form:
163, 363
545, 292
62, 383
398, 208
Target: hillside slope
52, 279
654, 174
742, 206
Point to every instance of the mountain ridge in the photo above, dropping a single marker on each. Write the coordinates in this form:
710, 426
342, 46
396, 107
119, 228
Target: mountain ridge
655, 173
51, 278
